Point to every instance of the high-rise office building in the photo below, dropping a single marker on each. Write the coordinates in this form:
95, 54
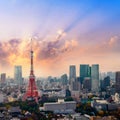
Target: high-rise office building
105, 83
3, 78
74, 84
72, 73
64, 79
95, 77
85, 71
111, 75
18, 75
117, 78
87, 83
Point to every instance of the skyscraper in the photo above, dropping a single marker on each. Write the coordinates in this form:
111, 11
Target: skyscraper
87, 83
74, 84
18, 75
111, 75
105, 83
117, 79
64, 79
72, 73
84, 72
3, 78
95, 77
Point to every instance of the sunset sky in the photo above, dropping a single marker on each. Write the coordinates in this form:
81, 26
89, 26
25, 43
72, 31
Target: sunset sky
64, 32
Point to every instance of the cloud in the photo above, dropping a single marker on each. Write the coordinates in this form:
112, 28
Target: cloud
114, 43
52, 49
110, 46
113, 40
50, 55
16, 51
61, 33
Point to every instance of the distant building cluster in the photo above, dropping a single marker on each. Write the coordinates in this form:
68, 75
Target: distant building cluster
88, 78
64, 94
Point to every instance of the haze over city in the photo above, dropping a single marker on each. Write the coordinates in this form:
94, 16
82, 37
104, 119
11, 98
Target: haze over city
63, 32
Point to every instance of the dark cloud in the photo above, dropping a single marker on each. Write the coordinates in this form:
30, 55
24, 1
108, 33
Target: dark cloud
51, 49
15, 48
14, 42
8, 48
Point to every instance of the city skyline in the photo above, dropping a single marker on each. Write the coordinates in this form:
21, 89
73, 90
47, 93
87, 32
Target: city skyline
64, 33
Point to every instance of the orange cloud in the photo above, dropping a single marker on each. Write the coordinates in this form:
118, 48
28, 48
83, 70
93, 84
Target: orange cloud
16, 52
54, 57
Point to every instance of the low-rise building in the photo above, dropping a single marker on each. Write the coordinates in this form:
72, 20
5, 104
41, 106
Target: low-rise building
61, 106
104, 105
103, 118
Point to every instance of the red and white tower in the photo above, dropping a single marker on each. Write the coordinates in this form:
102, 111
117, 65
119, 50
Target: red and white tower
32, 91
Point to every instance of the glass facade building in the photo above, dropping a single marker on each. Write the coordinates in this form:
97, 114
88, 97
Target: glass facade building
95, 77
18, 75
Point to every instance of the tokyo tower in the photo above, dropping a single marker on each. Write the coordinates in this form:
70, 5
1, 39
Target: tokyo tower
32, 91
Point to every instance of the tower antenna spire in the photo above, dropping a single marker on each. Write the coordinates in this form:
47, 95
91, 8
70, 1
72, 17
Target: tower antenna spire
31, 71
31, 44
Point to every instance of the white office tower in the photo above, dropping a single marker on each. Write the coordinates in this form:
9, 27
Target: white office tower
72, 74
95, 77
18, 75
